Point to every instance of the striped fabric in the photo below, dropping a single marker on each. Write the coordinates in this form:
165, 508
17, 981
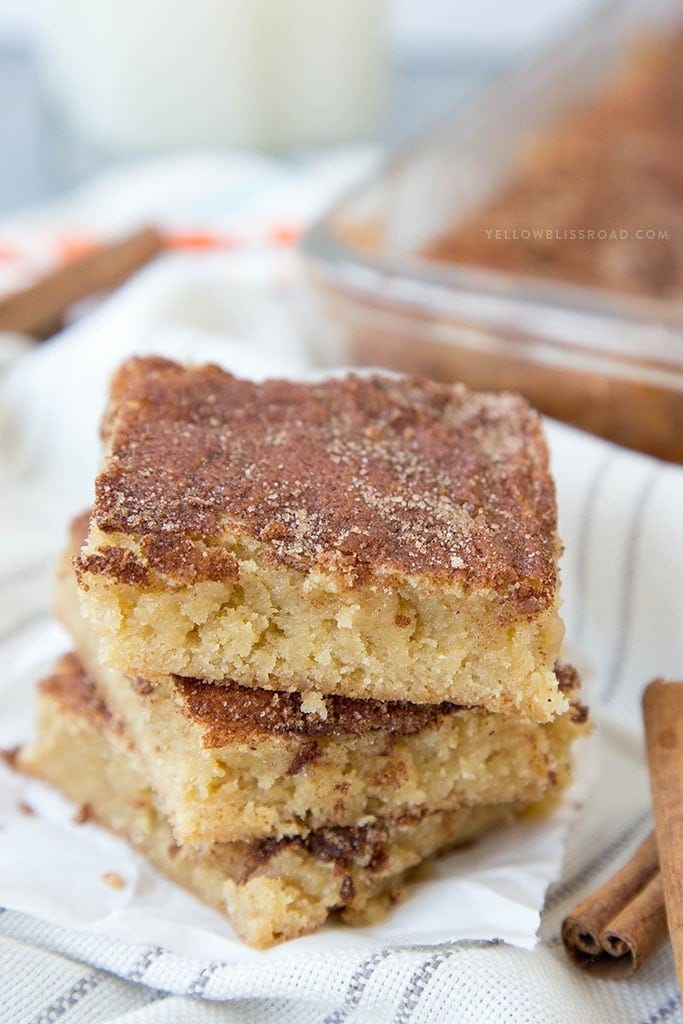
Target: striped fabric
622, 567
623, 529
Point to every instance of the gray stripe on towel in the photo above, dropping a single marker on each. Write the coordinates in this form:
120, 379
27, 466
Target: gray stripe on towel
58, 1007
418, 983
628, 583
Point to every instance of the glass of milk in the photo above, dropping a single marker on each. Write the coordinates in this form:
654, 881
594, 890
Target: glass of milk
134, 76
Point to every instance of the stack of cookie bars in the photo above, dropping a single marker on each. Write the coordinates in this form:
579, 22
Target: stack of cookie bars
316, 636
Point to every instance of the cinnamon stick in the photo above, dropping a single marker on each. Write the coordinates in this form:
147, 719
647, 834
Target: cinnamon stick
39, 309
663, 712
612, 932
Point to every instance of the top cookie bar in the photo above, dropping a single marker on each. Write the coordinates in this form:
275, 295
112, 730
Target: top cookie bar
370, 536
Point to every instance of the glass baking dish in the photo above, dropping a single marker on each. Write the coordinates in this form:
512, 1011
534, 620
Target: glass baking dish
608, 362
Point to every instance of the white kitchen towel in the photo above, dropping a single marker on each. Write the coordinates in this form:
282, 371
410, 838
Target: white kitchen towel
623, 530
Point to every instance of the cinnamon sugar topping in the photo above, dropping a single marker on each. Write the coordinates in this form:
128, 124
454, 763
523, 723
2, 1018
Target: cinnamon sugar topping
229, 712
75, 692
354, 475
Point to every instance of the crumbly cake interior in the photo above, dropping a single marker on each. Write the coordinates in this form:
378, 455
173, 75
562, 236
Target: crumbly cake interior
372, 537
270, 889
276, 630
234, 763
316, 631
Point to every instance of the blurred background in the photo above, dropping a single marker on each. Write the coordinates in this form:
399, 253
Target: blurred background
85, 86
532, 241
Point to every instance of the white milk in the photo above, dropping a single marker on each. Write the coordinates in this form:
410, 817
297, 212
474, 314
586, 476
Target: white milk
136, 75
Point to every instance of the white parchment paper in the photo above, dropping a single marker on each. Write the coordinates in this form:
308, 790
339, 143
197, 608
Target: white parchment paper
50, 405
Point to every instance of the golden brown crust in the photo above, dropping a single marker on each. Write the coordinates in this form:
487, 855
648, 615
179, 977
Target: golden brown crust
358, 475
342, 845
117, 562
569, 683
568, 679
73, 690
228, 713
